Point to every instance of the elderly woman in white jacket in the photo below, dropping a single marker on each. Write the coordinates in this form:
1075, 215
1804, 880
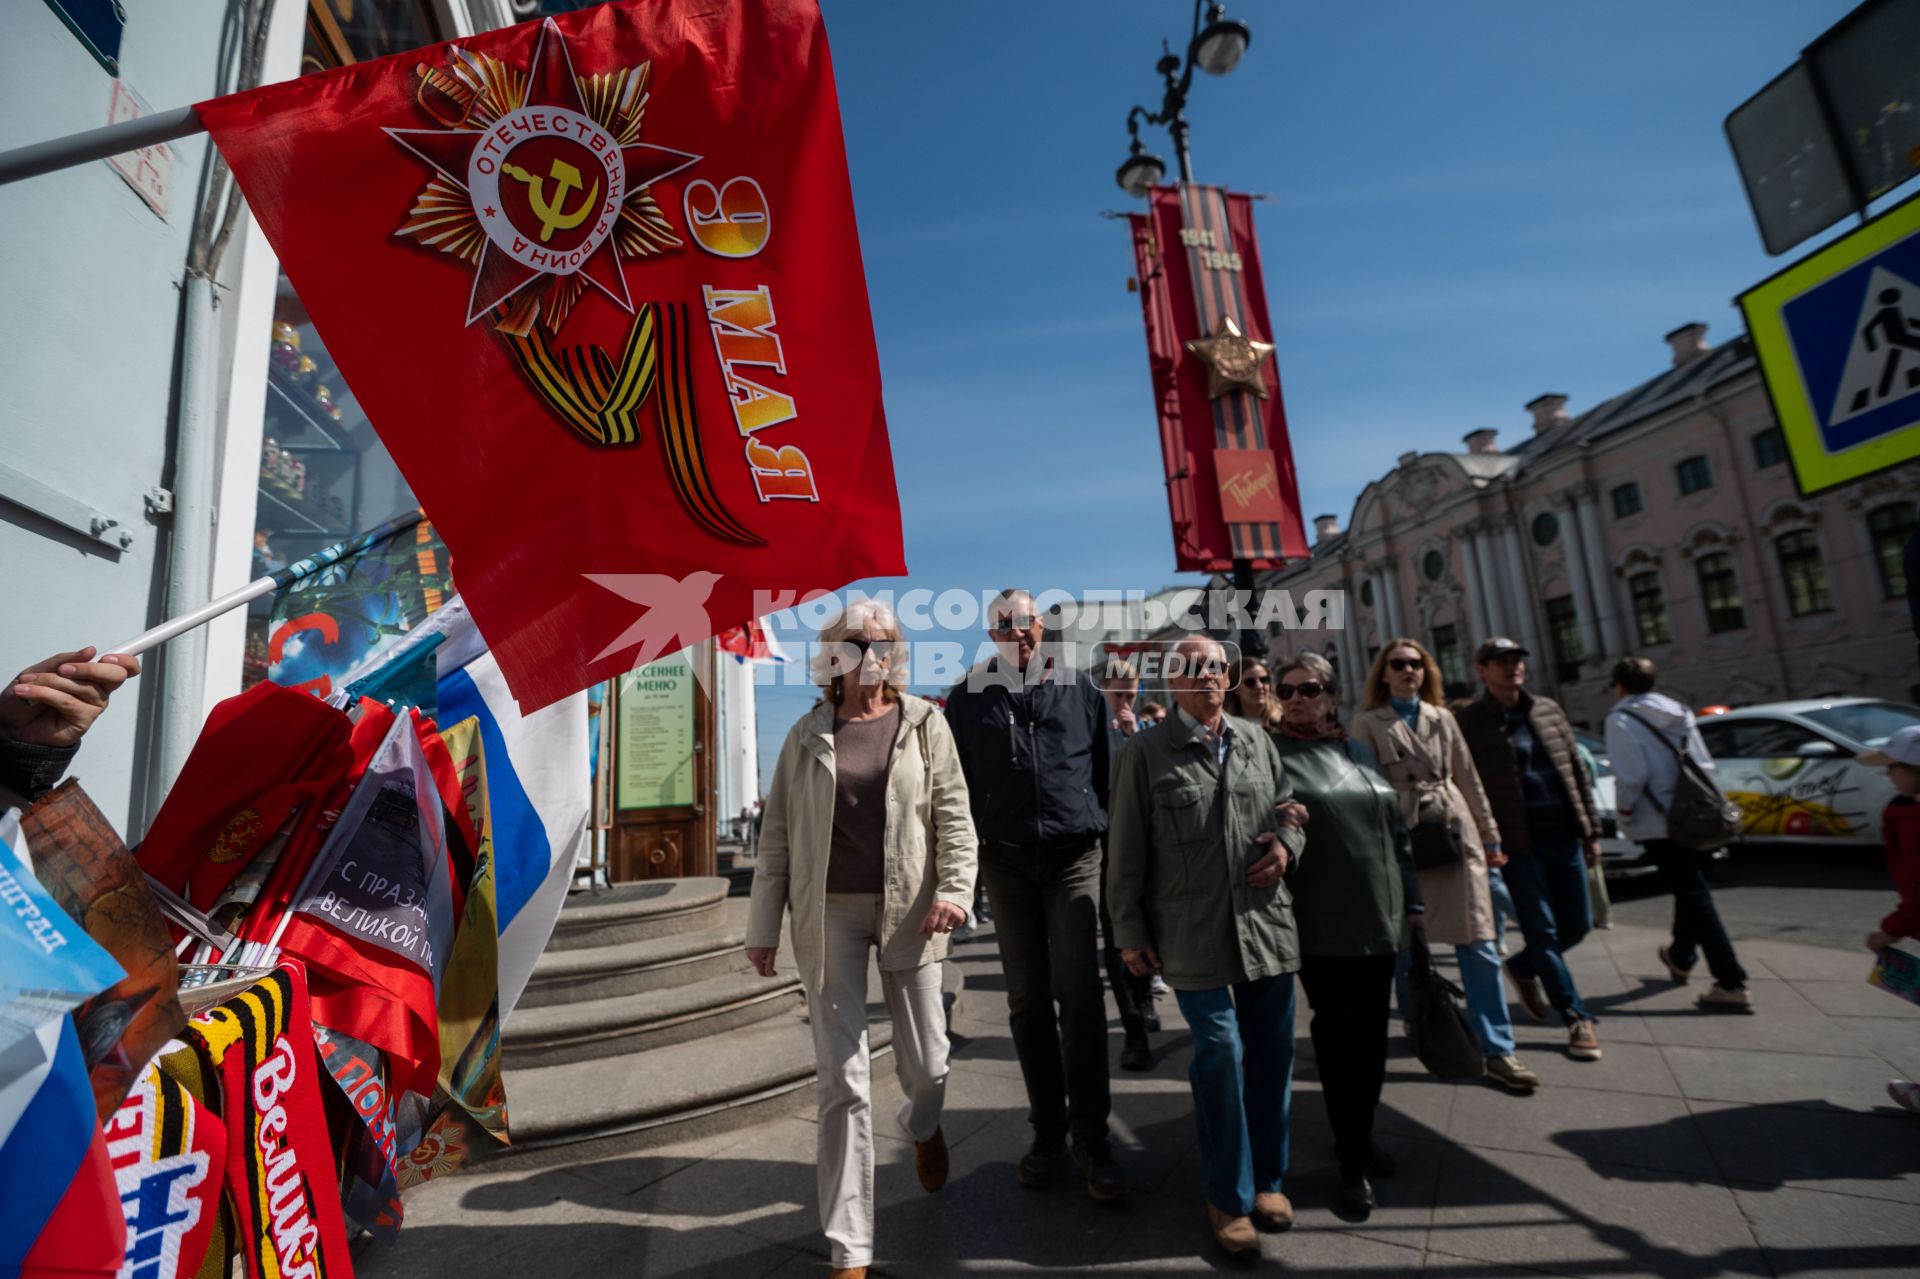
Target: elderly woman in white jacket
868, 841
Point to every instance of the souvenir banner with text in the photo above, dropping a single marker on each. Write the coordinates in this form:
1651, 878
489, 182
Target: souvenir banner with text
597, 284
1231, 489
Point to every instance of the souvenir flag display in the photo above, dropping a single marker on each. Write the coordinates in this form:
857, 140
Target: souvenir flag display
752, 643
53, 1128
537, 792
87, 1233
330, 622
600, 272
278, 1164
168, 1152
385, 1124
48, 963
85, 868
470, 990
269, 762
1231, 488
1898, 973
373, 918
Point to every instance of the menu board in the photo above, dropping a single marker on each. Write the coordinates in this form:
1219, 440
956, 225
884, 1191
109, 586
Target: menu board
655, 747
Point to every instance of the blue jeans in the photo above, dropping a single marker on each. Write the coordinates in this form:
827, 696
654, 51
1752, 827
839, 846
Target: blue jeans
1242, 1078
1549, 887
1502, 899
1486, 998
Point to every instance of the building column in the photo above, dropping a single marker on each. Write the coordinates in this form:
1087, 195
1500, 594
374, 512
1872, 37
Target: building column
1488, 557
1578, 577
1353, 649
1599, 571
1518, 590
1390, 582
1483, 604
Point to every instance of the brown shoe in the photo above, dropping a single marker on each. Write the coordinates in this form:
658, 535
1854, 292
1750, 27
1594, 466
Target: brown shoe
1273, 1212
849, 1272
1726, 999
1532, 994
1509, 1074
1235, 1235
930, 1160
1582, 1043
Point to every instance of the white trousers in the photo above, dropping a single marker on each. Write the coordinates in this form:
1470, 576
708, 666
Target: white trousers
839, 1018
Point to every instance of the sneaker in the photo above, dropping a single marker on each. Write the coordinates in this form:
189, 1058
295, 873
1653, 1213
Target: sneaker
1726, 999
1158, 986
1136, 1054
1511, 1075
1905, 1094
964, 933
1106, 1181
1681, 976
1235, 1235
1040, 1166
1582, 1043
1532, 994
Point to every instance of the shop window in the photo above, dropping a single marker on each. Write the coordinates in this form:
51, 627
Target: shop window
1563, 627
1720, 593
1889, 527
1694, 475
324, 474
1805, 573
1626, 501
1650, 610
1769, 448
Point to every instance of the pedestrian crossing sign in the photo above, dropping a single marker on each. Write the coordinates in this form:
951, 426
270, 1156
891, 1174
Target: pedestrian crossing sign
1838, 339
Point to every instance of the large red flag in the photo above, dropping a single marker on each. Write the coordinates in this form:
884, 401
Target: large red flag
597, 284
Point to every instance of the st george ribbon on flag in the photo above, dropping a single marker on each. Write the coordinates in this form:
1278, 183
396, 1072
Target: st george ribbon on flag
597, 283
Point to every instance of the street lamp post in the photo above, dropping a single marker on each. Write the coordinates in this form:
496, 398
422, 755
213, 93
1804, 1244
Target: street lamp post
1216, 49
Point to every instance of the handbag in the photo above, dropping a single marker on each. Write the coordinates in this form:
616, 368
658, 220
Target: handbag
1698, 816
1436, 844
1437, 1025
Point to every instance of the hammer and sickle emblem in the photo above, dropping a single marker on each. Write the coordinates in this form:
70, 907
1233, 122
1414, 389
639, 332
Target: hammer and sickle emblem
554, 217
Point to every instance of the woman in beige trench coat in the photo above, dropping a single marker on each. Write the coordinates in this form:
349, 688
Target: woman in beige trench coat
1424, 755
867, 841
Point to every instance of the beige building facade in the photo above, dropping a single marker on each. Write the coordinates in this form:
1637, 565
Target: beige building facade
1662, 522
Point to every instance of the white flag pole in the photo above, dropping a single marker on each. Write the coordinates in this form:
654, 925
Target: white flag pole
55, 154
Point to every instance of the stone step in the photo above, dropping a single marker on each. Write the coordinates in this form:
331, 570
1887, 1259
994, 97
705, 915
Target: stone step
629, 968
637, 912
598, 1028
608, 1106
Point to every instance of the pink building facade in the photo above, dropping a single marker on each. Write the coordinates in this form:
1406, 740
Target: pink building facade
1663, 522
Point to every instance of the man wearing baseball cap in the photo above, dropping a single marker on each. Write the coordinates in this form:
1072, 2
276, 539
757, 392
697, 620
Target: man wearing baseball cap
1900, 829
1529, 762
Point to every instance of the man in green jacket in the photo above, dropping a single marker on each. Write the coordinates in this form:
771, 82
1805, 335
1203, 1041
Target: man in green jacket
1203, 831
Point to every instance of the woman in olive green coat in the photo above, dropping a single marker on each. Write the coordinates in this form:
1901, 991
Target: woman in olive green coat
1355, 893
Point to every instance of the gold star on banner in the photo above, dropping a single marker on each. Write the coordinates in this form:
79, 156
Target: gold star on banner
1233, 360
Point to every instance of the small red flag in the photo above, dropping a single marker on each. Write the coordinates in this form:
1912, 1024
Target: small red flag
597, 284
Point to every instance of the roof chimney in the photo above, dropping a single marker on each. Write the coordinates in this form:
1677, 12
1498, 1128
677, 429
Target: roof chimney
1482, 440
1325, 526
1548, 410
1408, 458
1689, 343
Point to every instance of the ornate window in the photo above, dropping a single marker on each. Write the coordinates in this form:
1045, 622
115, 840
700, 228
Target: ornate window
1769, 448
1889, 527
1434, 565
1446, 652
1805, 572
1694, 474
1546, 528
1563, 627
1650, 609
1720, 593
1366, 592
1626, 501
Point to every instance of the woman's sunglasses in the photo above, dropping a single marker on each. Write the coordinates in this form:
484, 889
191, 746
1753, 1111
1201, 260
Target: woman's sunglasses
1285, 692
862, 646
1256, 681
1406, 664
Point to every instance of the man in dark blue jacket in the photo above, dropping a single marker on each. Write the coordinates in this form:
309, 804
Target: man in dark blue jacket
1033, 741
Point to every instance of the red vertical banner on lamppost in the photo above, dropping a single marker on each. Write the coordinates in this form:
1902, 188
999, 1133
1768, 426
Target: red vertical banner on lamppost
1231, 489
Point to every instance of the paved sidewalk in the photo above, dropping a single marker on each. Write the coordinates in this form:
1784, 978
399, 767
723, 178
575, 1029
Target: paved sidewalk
1702, 1145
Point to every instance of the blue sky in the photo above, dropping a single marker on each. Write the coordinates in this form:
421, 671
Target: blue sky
1473, 203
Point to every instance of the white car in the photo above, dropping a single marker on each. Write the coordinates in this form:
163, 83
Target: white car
1790, 766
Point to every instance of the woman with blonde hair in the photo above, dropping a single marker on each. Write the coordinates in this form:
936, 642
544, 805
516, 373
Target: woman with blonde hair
1453, 834
868, 843
1250, 691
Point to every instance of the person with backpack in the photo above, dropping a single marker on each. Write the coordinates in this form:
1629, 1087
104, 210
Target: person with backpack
1667, 802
